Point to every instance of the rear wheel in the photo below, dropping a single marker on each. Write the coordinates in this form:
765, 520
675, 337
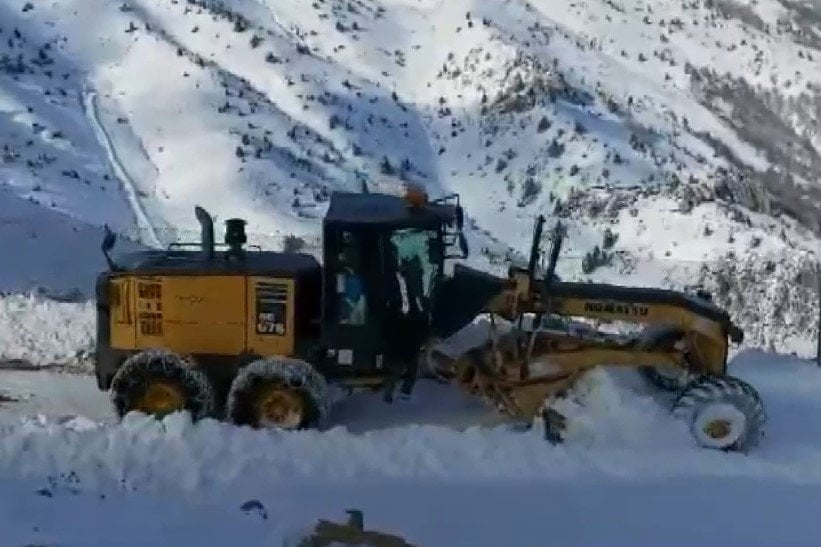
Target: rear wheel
722, 412
157, 383
278, 393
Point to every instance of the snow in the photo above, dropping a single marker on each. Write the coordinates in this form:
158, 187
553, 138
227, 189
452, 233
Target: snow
166, 127
438, 446
640, 514
54, 512
624, 459
48, 251
129, 186
616, 423
54, 394
130, 114
156, 98
42, 332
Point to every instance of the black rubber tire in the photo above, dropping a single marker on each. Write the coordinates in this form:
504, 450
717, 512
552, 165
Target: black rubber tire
295, 374
131, 380
661, 381
704, 391
663, 337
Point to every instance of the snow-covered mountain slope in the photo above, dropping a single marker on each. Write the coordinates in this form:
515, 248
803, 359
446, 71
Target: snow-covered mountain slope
47, 252
689, 130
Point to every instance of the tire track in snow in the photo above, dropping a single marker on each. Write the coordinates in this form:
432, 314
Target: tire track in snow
144, 224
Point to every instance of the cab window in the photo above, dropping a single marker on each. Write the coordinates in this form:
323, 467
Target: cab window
350, 289
417, 260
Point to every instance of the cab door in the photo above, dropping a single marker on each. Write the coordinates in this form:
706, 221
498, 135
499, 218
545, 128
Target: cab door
352, 326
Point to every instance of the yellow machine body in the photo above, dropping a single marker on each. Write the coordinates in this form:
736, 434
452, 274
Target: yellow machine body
219, 313
203, 314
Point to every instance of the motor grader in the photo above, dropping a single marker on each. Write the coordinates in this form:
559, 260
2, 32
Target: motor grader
258, 337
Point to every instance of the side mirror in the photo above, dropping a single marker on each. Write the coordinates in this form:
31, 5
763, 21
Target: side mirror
109, 240
736, 334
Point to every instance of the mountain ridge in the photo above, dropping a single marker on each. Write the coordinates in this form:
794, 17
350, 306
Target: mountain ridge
687, 129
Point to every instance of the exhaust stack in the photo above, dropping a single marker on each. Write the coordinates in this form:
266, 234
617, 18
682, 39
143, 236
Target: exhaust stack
207, 236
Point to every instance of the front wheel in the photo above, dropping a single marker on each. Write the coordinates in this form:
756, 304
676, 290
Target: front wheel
672, 379
664, 377
723, 413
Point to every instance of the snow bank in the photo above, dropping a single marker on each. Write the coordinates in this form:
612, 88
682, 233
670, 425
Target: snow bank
626, 470
602, 413
617, 430
39, 332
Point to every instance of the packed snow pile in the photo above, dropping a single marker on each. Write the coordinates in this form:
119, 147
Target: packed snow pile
618, 428
601, 412
39, 332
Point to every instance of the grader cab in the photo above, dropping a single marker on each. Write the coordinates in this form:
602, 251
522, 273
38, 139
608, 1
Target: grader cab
257, 337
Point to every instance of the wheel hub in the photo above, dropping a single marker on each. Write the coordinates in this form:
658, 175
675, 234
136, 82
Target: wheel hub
161, 398
718, 429
279, 407
719, 425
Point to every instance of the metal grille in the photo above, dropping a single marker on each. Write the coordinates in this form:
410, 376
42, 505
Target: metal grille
149, 303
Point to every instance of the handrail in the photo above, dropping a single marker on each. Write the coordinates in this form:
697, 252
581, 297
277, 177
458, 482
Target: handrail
183, 244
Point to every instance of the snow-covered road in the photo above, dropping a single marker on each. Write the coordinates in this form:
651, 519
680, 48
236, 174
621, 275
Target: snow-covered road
673, 513
628, 473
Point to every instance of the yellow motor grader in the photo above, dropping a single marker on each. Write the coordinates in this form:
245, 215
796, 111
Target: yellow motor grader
256, 337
